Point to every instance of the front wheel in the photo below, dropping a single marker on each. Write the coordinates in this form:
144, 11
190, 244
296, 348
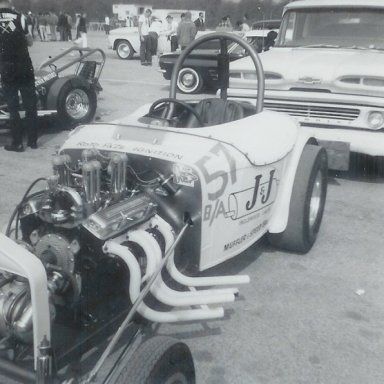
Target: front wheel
160, 360
124, 50
76, 104
189, 81
307, 202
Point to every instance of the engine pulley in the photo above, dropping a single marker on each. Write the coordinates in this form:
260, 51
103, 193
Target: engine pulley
58, 250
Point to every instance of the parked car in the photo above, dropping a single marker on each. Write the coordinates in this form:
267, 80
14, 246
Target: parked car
269, 24
176, 185
326, 70
126, 41
200, 69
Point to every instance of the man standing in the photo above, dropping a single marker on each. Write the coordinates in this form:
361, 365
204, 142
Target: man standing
186, 31
107, 26
171, 32
17, 74
199, 22
245, 26
145, 41
82, 30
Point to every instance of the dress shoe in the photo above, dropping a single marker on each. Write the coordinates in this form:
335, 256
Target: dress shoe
14, 148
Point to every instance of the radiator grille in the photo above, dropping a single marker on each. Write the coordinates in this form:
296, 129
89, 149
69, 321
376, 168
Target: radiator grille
315, 111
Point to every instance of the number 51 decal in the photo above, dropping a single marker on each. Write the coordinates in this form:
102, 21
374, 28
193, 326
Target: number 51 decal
218, 152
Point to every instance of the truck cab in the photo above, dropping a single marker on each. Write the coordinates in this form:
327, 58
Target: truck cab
326, 70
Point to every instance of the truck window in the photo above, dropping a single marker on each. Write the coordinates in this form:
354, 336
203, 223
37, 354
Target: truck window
340, 27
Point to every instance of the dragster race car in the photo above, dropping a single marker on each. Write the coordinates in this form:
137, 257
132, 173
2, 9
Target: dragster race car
134, 211
72, 98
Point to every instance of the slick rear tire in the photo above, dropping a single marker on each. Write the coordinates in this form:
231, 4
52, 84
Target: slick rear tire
189, 81
76, 104
160, 360
124, 50
307, 202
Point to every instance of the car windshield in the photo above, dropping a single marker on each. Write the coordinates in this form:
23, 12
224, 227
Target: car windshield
359, 28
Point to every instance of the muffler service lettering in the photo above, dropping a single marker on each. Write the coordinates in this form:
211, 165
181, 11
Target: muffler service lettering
245, 237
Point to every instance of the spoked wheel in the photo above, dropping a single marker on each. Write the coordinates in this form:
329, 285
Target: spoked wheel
76, 105
160, 360
307, 202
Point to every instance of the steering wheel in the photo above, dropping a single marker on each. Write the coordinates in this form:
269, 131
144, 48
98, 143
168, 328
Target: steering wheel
173, 100
223, 67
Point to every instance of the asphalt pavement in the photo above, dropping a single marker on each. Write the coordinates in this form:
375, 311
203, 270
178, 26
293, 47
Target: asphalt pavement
313, 319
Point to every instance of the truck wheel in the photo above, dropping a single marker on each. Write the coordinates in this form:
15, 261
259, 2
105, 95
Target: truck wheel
307, 202
76, 104
160, 360
189, 81
124, 50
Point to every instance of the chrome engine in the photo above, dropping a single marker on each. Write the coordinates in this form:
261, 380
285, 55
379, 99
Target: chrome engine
103, 228
66, 225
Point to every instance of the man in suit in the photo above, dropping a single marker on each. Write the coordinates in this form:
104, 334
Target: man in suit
199, 22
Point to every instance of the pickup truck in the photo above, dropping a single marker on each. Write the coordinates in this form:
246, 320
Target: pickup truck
326, 70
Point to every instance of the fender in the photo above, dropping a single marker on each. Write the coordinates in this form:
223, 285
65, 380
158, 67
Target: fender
57, 86
280, 216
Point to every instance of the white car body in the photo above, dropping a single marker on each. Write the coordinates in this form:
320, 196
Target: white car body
130, 34
336, 92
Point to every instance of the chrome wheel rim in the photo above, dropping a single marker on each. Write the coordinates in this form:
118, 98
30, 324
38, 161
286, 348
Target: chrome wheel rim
315, 202
77, 104
123, 50
177, 378
188, 80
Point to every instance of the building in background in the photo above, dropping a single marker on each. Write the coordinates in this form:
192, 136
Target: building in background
130, 12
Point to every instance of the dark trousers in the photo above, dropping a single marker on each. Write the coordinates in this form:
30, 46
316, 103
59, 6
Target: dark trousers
145, 50
28, 96
154, 37
174, 43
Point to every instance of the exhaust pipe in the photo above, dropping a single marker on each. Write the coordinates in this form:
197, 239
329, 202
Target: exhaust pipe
166, 230
163, 292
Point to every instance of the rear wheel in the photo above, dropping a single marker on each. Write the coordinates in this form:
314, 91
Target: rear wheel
76, 104
307, 202
189, 81
124, 50
160, 360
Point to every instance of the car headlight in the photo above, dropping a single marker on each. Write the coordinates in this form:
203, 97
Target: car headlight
375, 119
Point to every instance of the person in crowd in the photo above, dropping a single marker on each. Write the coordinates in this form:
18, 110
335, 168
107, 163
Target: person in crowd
155, 30
225, 25
82, 30
34, 24
270, 40
186, 31
245, 24
62, 26
199, 22
52, 21
28, 21
69, 26
171, 32
42, 20
17, 75
107, 25
145, 41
